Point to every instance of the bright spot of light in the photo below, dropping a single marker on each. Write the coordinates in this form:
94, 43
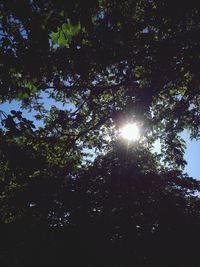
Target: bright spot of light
130, 132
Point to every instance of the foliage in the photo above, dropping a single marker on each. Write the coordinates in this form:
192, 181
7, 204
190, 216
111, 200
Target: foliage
64, 34
107, 62
113, 213
136, 59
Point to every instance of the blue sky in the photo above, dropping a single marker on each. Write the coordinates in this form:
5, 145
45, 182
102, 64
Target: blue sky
191, 155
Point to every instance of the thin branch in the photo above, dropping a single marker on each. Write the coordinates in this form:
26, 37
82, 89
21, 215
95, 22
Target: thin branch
74, 113
100, 88
80, 135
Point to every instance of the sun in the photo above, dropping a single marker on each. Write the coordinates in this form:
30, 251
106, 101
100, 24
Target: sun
130, 132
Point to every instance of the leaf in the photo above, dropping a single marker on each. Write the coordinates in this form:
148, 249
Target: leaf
31, 86
55, 37
63, 36
22, 96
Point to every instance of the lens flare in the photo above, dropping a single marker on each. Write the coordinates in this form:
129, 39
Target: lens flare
130, 132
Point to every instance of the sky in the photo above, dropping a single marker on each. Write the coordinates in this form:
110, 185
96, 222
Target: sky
192, 154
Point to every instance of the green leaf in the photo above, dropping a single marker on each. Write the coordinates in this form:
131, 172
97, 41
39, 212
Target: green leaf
22, 96
63, 36
55, 37
31, 86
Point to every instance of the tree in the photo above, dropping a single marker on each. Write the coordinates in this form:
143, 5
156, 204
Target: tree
113, 213
107, 62
127, 60
137, 216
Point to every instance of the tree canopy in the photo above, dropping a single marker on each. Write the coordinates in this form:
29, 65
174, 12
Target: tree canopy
107, 63
131, 60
